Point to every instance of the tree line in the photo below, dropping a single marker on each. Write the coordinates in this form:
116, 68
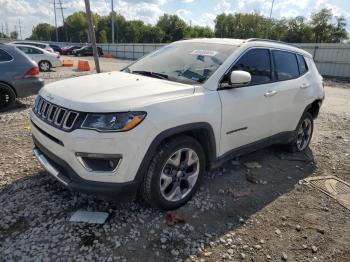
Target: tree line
322, 27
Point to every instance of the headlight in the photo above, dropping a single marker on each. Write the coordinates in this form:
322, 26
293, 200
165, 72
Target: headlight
113, 121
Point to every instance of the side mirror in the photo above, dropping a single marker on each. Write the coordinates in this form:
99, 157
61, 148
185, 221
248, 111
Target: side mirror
240, 78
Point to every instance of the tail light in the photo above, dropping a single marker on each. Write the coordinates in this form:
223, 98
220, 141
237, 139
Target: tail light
323, 84
33, 72
58, 55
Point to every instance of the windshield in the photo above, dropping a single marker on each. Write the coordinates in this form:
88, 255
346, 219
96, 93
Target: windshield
185, 62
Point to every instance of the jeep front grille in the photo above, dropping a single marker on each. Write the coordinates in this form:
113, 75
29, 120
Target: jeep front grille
54, 115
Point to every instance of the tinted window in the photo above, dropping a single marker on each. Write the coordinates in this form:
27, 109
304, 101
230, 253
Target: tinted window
29, 50
286, 65
257, 63
302, 64
4, 56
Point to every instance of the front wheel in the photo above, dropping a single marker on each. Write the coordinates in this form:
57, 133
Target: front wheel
304, 134
174, 173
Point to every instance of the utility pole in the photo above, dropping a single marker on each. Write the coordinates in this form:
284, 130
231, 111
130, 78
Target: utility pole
270, 28
112, 18
54, 8
7, 29
20, 29
64, 22
92, 35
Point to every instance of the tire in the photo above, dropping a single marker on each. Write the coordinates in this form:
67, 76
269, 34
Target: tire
170, 182
303, 137
7, 97
79, 54
44, 66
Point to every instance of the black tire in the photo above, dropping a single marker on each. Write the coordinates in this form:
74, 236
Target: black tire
295, 145
7, 97
151, 185
44, 66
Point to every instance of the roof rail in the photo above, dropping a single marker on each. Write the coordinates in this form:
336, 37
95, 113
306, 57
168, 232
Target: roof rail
269, 40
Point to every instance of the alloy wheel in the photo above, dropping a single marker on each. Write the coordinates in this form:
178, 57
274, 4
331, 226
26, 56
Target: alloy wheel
179, 174
5, 97
304, 134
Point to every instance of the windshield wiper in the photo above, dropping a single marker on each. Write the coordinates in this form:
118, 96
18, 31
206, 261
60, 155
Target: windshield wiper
151, 74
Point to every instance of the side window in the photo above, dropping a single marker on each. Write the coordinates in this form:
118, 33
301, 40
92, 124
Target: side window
257, 63
35, 51
302, 64
4, 56
286, 65
25, 50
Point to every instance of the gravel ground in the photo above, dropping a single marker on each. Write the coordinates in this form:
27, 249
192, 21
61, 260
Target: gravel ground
239, 213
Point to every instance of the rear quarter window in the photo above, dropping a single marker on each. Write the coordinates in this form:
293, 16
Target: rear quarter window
4, 56
302, 64
286, 65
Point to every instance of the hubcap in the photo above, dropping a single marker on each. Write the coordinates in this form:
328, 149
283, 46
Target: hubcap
45, 66
304, 134
179, 174
5, 97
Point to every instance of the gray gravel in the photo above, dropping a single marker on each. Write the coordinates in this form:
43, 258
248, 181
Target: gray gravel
276, 220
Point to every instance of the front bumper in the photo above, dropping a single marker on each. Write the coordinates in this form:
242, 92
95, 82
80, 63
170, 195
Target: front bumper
60, 169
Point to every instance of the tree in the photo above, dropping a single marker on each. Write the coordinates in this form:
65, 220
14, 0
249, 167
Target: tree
102, 37
43, 31
14, 35
173, 26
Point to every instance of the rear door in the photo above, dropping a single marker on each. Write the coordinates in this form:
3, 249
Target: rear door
288, 103
247, 110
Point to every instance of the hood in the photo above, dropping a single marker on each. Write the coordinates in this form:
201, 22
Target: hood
113, 91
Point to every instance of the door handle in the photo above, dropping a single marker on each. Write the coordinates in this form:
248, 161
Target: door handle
304, 86
270, 93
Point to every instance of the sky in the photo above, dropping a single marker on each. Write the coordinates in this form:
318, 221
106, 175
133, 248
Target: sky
199, 12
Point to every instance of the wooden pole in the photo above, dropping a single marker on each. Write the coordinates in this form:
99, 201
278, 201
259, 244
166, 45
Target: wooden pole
92, 35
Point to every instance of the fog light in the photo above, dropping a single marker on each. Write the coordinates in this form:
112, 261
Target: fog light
99, 162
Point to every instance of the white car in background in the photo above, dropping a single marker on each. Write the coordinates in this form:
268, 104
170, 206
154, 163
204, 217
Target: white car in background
45, 60
45, 46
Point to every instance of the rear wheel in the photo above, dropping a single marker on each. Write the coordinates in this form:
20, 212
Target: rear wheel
44, 66
7, 97
174, 173
304, 134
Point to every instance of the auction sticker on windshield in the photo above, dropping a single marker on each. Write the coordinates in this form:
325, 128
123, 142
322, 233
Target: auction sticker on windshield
204, 52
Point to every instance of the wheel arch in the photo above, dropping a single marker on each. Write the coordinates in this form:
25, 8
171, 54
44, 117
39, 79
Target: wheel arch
202, 132
314, 108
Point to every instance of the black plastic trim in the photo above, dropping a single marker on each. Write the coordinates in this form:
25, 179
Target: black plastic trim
114, 191
210, 154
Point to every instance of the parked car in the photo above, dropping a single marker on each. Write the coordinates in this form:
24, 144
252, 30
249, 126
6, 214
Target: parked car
46, 60
45, 46
87, 51
156, 127
56, 48
19, 76
68, 50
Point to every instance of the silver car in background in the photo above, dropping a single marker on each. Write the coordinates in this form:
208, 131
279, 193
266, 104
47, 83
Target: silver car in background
45, 60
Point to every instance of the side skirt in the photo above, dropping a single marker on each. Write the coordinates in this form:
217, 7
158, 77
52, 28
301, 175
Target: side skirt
281, 138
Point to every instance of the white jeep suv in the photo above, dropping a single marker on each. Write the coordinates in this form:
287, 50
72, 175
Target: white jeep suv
155, 127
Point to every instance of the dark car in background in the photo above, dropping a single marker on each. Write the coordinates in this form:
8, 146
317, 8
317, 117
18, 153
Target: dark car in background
19, 76
56, 48
68, 50
87, 51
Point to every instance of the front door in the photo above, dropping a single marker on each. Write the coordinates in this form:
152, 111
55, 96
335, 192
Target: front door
247, 111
